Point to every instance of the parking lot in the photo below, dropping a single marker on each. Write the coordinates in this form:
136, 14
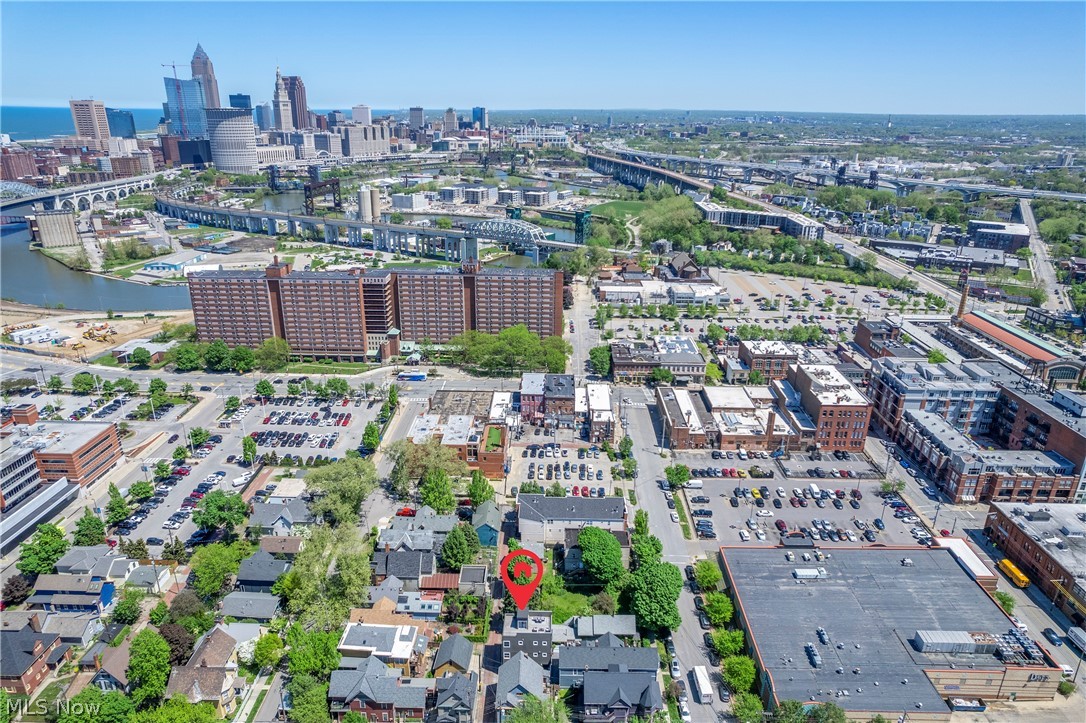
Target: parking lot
578, 467
308, 430
827, 466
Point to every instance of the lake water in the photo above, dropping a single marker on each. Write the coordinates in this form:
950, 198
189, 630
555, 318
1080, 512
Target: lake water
31, 277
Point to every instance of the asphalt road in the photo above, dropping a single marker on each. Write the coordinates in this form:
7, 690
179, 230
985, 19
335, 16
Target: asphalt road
1041, 263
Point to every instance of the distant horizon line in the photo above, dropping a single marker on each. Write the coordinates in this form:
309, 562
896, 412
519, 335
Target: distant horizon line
646, 110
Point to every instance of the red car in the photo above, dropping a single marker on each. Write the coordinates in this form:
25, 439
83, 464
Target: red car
197, 495
345, 400
405, 512
944, 533
576, 491
782, 525
267, 420
584, 492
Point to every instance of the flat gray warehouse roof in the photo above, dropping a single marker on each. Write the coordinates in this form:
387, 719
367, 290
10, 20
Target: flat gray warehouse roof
871, 606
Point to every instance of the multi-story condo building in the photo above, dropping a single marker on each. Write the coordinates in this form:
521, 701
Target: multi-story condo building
962, 394
999, 235
840, 413
770, 358
634, 362
792, 224
186, 105
90, 119
333, 314
528, 632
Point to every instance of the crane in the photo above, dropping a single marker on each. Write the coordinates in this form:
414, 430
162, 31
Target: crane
180, 101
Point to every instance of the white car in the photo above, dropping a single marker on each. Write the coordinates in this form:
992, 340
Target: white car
684, 713
850, 535
764, 513
780, 492
744, 535
169, 525
674, 516
759, 534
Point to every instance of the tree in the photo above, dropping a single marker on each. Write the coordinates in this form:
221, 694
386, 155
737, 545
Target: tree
1005, 600
148, 666
264, 388
186, 358
660, 375
162, 469
718, 608
600, 359
39, 554
891, 487
127, 609
828, 712
755, 378
393, 396
268, 651
338, 387
641, 522
646, 550
936, 357
747, 708
411, 461
140, 357
199, 436
314, 652
177, 709
220, 509
89, 530
707, 574
789, 711
180, 453
159, 614
186, 391
91, 705
141, 490
232, 404
436, 491
156, 386
655, 592
455, 553
341, 488
242, 359
126, 385
272, 355
16, 590
180, 641
371, 437
738, 672
601, 554
213, 564
677, 475
480, 489
248, 449
294, 390
217, 356
536, 710
728, 642
85, 383
55, 384
625, 446
603, 603
135, 549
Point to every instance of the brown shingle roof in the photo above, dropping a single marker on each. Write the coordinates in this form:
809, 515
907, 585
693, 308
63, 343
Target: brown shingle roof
215, 650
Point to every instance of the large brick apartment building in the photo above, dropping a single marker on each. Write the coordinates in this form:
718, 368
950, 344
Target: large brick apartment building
356, 314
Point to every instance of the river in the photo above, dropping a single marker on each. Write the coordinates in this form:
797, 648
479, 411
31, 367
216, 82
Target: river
30, 277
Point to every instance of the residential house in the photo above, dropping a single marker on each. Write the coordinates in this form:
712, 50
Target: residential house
210, 676
617, 696
27, 655
531, 397
455, 699
593, 627
528, 632
409, 566
150, 578
440, 582
421, 605
73, 628
577, 660
518, 677
400, 646
545, 519
98, 561
242, 605
71, 593
391, 588
377, 692
283, 547
285, 520
259, 572
474, 580
112, 672
453, 656
244, 633
487, 522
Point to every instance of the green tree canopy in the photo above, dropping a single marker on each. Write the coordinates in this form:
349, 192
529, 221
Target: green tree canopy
213, 564
273, 355
456, 552
738, 672
936, 357
220, 509
248, 449
217, 356
199, 436
707, 573
141, 490
242, 359
411, 461
479, 489
55, 384
341, 488
148, 667
187, 358
156, 386
313, 652
268, 651
436, 491
536, 710
177, 709
600, 358
264, 388
655, 591
140, 357
91, 705
39, 554
371, 436
89, 530
677, 475
601, 554
718, 608
747, 708
728, 642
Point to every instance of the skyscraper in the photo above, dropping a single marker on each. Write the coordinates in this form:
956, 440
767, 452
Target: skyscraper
284, 119
240, 100
121, 123
298, 106
480, 117
233, 139
449, 123
205, 71
185, 99
89, 117
362, 114
416, 118
265, 119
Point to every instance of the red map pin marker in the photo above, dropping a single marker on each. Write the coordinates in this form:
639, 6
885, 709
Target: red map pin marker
522, 571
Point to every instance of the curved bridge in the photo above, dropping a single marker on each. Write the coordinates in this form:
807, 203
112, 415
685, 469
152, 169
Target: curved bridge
80, 198
14, 189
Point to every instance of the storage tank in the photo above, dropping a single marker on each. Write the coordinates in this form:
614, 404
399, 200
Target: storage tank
375, 203
365, 205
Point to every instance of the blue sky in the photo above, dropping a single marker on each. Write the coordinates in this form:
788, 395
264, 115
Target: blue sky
880, 57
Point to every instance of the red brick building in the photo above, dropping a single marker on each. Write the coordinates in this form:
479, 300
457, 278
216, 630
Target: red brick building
28, 656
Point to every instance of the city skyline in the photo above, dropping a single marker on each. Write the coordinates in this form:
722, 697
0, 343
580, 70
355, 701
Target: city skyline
874, 57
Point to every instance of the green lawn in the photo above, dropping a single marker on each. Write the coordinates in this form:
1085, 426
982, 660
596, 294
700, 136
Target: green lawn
256, 706
335, 368
107, 360
1024, 275
618, 209
565, 604
682, 517
493, 438
142, 201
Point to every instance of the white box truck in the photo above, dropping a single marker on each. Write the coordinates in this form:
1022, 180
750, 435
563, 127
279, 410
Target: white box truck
815, 492
1077, 636
702, 685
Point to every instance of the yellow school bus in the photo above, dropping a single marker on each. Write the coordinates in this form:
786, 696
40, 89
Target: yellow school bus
1011, 571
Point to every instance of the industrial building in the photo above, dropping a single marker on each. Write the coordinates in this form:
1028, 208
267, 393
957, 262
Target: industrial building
633, 362
861, 628
53, 229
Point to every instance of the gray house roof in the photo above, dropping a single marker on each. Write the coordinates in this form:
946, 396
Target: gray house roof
593, 626
404, 564
456, 691
255, 605
583, 657
455, 650
262, 566
146, 575
374, 681
427, 519
622, 690
390, 587
82, 559
17, 649
487, 515
400, 538
517, 677
292, 513
541, 508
